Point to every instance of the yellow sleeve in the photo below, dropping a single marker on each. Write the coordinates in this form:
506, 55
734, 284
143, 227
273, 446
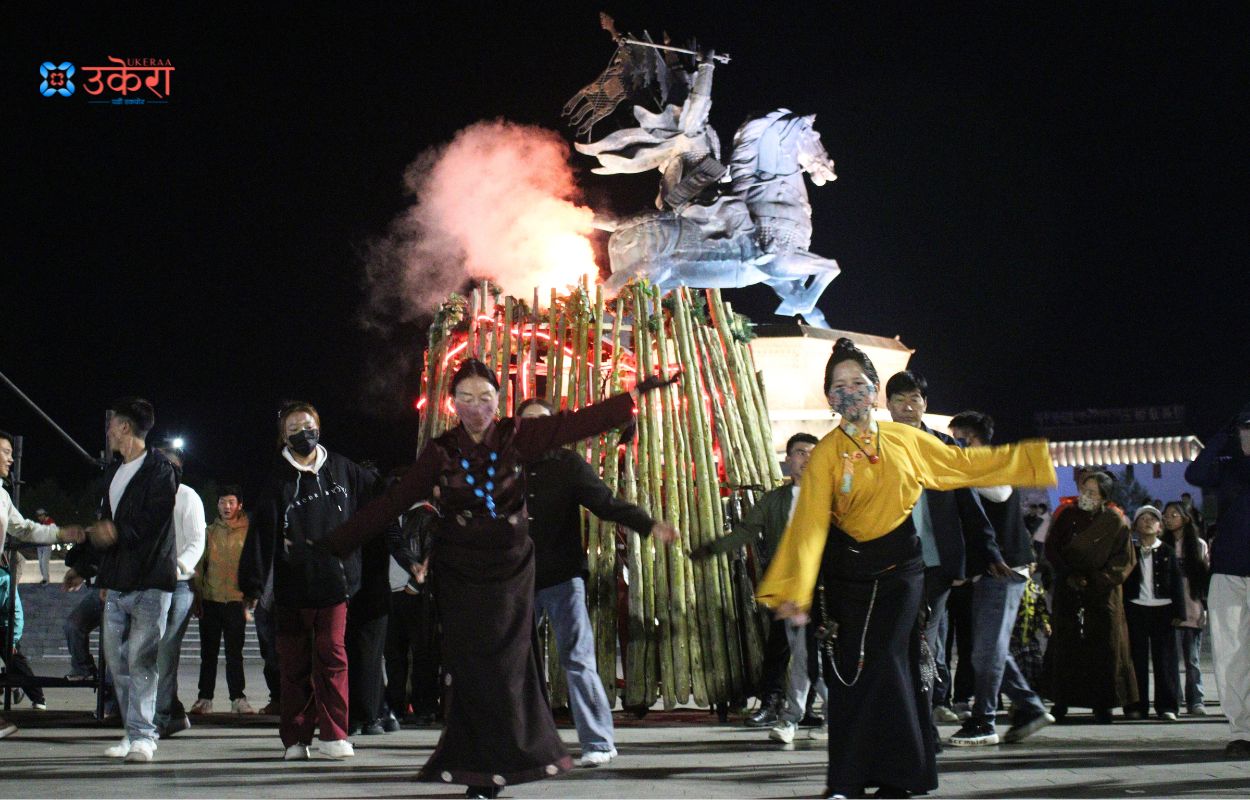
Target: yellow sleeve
795, 566
944, 467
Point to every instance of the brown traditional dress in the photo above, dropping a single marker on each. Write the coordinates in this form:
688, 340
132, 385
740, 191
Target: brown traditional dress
498, 726
1087, 660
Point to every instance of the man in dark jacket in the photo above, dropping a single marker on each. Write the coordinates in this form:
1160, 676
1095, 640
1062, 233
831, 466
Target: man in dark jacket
953, 531
412, 635
762, 526
996, 593
558, 486
1224, 466
135, 539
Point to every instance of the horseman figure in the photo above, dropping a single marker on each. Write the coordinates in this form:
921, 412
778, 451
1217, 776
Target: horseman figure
717, 227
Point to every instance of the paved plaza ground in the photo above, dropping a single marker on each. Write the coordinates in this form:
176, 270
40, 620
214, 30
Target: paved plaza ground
683, 753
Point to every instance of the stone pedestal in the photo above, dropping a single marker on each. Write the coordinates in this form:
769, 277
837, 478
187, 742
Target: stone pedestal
791, 358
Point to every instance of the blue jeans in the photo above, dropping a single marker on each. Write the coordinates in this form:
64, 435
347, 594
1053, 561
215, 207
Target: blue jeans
801, 676
565, 606
134, 623
167, 704
1189, 644
995, 602
937, 591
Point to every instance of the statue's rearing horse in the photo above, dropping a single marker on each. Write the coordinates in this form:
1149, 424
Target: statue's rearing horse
756, 232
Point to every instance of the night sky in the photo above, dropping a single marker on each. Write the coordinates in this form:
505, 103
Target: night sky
1049, 204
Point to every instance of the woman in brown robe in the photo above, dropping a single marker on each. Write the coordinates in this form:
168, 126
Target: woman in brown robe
1088, 660
498, 729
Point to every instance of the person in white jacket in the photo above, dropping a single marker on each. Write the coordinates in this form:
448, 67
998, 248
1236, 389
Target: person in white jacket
12, 523
189, 531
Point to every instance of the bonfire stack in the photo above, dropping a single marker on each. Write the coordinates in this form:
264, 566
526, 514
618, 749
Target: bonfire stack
702, 449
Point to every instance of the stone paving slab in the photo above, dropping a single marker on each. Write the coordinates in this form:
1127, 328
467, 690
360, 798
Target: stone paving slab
682, 753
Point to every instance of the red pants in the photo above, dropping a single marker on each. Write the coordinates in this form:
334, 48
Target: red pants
312, 659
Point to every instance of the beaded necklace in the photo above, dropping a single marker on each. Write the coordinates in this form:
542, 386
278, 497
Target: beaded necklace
849, 458
483, 485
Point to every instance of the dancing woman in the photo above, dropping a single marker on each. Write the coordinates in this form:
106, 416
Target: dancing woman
853, 528
498, 726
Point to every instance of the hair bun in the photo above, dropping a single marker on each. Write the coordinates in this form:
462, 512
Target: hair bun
843, 344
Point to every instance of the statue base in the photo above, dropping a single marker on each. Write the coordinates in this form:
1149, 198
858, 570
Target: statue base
791, 360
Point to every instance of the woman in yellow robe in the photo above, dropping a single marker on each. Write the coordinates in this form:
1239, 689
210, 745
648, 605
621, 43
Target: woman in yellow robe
852, 528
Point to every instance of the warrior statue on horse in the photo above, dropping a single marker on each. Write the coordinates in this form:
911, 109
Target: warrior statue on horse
716, 226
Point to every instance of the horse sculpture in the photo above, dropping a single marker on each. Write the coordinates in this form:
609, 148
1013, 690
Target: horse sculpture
755, 228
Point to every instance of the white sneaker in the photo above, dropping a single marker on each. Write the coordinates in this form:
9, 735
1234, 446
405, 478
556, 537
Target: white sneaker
783, 732
119, 750
820, 734
944, 714
6, 728
241, 706
201, 706
296, 752
596, 758
339, 748
141, 750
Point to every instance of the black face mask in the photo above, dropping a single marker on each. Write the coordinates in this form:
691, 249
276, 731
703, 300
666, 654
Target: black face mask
304, 442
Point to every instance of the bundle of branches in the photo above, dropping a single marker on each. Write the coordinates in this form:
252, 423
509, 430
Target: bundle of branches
688, 628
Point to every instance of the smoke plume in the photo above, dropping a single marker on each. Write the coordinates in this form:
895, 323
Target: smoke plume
498, 202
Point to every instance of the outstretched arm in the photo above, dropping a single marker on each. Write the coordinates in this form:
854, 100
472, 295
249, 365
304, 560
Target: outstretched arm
592, 493
947, 467
1207, 470
537, 435
378, 515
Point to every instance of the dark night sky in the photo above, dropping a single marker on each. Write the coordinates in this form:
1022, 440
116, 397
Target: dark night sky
1048, 203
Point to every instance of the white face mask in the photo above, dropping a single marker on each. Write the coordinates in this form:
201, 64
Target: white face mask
1086, 503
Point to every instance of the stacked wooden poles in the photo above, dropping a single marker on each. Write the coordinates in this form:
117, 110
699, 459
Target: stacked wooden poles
601, 536
693, 629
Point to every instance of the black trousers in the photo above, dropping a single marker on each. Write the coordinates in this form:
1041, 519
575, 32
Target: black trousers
959, 639
776, 662
216, 620
20, 666
412, 655
1152, 642
267, 636
366, 639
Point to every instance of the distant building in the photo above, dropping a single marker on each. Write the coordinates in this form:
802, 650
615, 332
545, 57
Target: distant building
791, 360
1148, 444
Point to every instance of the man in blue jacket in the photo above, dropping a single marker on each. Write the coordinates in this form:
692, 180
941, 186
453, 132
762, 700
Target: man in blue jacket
1224, 466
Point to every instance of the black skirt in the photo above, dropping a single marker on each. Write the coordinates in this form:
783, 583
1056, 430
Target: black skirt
880, 728
498, 729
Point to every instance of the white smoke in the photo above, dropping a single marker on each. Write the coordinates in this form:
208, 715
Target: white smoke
498, 202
